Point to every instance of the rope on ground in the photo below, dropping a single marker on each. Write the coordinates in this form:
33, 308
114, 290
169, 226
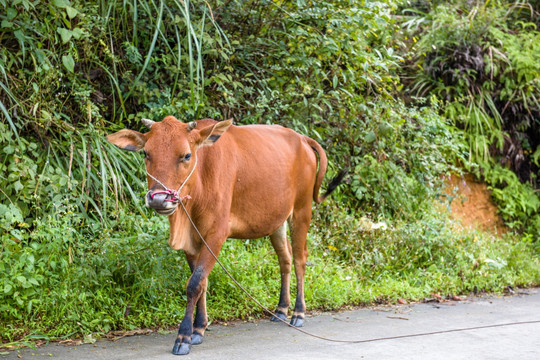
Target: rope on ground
339, 340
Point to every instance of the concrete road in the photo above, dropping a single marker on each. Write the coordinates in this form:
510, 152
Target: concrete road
267, 340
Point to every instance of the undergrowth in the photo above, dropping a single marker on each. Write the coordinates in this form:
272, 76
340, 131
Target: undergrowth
482, 60
129, 278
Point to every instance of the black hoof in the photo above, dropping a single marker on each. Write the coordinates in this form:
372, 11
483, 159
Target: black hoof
297, 321
196, 339
277, 316
181, 348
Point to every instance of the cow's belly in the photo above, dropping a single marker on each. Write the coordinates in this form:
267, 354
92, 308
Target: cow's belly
259, 222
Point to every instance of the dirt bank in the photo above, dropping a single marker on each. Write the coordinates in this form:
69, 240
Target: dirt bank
471, 203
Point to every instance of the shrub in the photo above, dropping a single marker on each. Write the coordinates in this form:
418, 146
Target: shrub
483, 62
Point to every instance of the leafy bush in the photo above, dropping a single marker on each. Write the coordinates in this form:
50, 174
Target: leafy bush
332, 71
430, 254
517, 203
64, 280
483, 62
309, 63
89, 66
82, 170
332, 74
401, 151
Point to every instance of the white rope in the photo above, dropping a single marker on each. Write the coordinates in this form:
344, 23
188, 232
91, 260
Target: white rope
175, 193
264, 308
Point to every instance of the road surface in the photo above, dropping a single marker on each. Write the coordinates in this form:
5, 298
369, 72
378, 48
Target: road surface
263, 339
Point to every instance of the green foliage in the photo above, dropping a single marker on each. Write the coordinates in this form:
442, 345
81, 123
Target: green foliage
430, 254
483, 61
68, 71
82, 170
98, 281
401, 151
517, 203
79, 253
310, 63
484, 66
103, 60
90, 286
332, 74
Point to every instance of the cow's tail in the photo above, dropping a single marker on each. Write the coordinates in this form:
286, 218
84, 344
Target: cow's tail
323, 163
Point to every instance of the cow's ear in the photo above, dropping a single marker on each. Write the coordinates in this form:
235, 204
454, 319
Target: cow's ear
127, 139
211, 134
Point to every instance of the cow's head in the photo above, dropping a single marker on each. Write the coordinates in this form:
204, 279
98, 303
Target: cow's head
170, 154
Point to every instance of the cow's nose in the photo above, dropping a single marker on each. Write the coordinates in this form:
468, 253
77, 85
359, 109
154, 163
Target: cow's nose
156, 200
161, 202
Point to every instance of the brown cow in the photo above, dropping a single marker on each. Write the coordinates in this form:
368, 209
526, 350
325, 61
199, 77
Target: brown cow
249, 184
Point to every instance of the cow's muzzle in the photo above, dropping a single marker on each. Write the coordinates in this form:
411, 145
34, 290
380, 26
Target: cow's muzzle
163, 202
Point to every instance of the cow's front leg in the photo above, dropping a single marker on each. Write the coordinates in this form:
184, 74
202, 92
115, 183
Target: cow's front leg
190, 331
195, 287
201, 318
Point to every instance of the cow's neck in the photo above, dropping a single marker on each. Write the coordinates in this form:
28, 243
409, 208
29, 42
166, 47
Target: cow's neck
180, 232
180, 229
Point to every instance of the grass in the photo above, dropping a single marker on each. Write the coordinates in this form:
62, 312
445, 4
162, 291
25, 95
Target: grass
128, 278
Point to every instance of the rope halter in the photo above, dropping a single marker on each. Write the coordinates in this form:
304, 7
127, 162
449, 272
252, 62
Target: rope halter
174, 195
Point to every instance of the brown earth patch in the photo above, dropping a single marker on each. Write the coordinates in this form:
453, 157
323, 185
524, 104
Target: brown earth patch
470, 202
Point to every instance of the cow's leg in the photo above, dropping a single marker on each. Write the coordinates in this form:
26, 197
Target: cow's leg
196, 286
201, 318
283, 250
299, 226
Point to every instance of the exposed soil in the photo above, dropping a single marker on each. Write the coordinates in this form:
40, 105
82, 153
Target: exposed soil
471, 203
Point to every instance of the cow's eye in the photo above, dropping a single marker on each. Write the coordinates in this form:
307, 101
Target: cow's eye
187, 157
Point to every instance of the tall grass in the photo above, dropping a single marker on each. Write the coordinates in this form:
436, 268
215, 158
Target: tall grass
70, 72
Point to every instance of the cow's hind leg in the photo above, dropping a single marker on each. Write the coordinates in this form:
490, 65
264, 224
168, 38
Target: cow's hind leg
299, 225
283, 250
